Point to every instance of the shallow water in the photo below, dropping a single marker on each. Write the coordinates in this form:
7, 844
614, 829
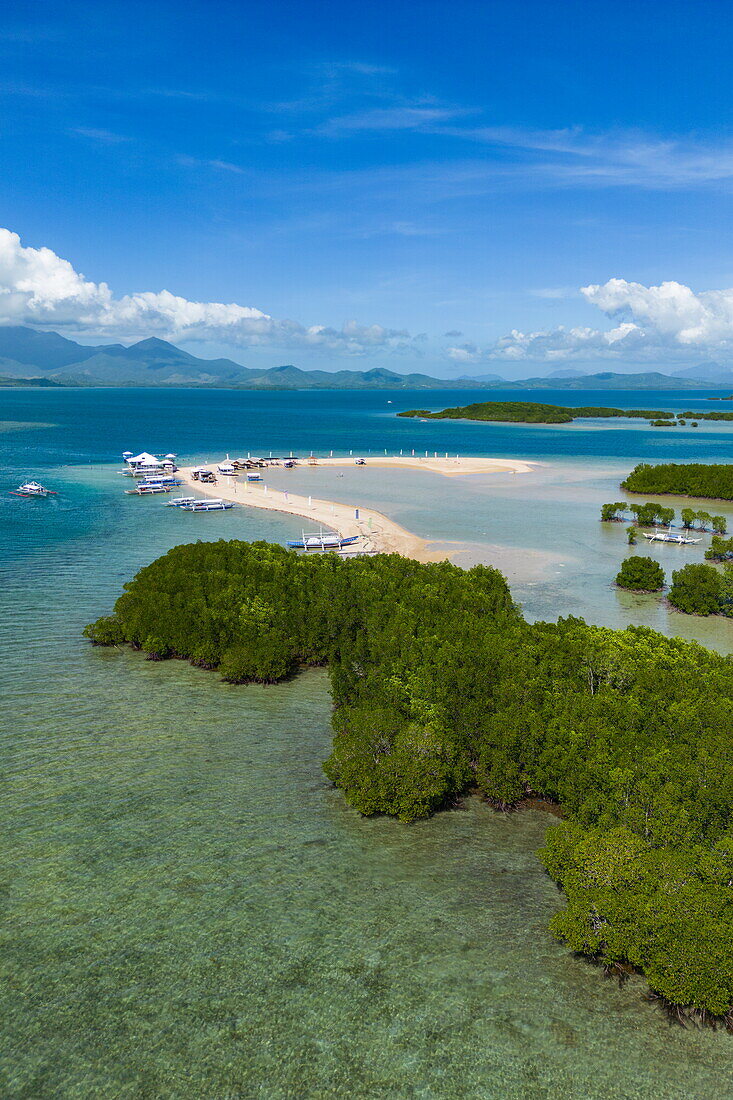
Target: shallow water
193, 912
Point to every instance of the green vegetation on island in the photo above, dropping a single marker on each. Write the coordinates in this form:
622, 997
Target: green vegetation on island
529, 412
439, 686
640, 574
645, 515
693, 479
651, 514
699, 589
720, 549
710, 415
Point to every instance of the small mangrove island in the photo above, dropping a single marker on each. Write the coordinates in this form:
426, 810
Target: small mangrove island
530, 412
692, 479
441, 687
535, 412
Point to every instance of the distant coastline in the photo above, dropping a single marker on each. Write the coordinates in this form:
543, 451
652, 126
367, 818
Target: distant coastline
42, 358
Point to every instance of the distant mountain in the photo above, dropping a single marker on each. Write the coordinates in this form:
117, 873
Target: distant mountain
20, 345
28, 357
706, 372
25, 354
568, 373
481, 378
608, 380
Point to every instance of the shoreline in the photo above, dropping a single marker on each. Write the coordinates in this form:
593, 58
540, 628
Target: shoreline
379, 533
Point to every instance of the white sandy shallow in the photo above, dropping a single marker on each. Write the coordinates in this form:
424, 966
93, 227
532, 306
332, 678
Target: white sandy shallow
378, 533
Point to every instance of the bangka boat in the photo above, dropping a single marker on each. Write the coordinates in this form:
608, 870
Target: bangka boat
323, 540
667, 536
148, 490
207, 506
32, 489
151, 480
180, 502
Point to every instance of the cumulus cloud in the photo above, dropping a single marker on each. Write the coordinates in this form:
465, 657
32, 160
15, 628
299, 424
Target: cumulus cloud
654, 323
37, 287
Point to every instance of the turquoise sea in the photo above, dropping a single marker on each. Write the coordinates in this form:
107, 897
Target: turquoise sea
190, 910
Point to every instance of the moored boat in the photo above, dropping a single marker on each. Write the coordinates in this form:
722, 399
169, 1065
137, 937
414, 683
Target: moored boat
323, 540
148, 490
213, 505
154, 480
667, 536
180, 502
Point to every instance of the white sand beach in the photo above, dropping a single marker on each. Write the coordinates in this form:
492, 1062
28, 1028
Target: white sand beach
378, 533
448, 466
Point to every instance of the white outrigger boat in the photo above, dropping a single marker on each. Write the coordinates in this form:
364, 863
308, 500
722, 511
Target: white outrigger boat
32, 489
153, 480
213, 505
180, 502
667, 536
323, 540
148, 490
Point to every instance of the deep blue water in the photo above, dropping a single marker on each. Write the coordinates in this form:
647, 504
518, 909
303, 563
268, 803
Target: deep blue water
97, 425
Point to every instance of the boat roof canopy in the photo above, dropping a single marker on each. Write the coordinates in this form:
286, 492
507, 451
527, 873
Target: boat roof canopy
143, 457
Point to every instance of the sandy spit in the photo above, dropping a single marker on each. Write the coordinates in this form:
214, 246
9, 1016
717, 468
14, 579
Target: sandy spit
378, 532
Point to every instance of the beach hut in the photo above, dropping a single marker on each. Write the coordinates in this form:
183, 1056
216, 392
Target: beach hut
145, 463
226, 468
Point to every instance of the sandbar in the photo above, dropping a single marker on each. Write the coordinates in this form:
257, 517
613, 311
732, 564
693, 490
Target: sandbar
378, 533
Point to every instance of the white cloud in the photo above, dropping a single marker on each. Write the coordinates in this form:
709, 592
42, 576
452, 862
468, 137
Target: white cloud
620, 158
37, 287
104, 137
654, 323
401, 117
670, 309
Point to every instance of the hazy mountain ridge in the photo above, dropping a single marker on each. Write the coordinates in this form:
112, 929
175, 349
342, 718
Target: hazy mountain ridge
36, 358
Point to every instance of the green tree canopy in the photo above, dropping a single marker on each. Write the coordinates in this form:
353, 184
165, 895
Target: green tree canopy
642, 574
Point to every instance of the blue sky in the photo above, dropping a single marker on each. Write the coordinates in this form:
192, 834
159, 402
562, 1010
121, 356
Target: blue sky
420, 186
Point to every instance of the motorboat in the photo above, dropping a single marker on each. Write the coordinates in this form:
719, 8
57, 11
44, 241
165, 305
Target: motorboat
32, 489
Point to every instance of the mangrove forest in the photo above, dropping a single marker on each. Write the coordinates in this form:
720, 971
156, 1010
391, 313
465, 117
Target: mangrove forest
440, 687
529, 412
692, 479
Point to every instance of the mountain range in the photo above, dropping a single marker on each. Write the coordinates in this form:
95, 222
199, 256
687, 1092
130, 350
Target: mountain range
30, 357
